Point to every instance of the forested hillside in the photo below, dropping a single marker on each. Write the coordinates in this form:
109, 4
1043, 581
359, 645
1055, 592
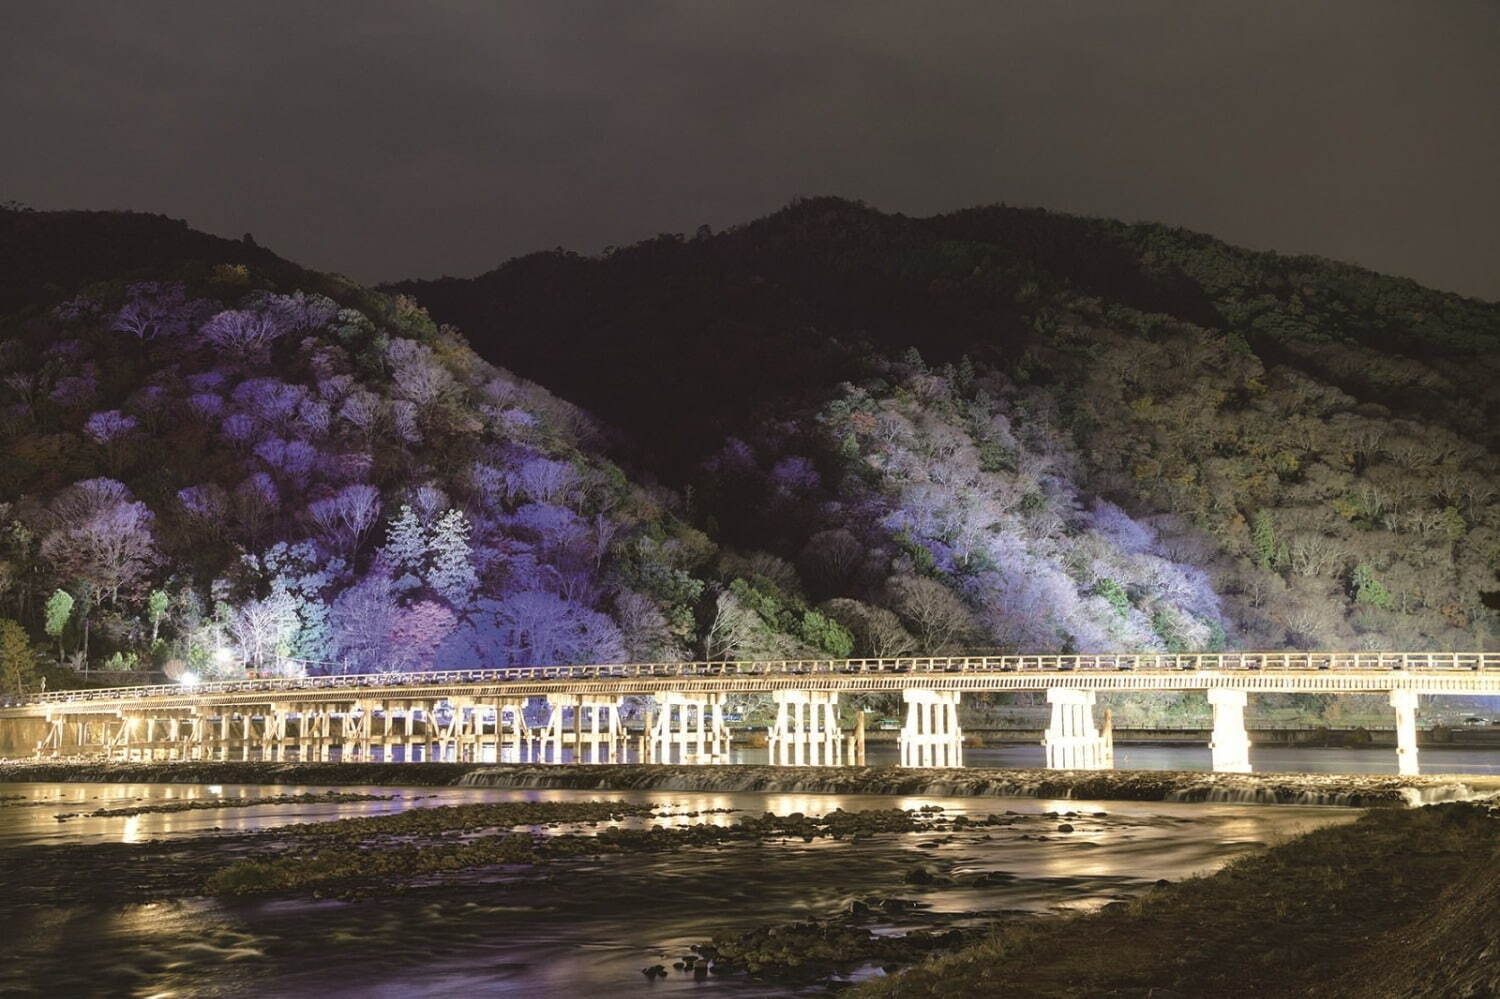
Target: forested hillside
831, 432
1007, 428
220, 461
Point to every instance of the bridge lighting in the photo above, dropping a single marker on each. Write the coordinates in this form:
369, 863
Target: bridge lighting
188, 679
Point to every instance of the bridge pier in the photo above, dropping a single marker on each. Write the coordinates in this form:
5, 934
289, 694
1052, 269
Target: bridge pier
552, 736
806, 731
605, 737
1072, 740
686, 732
520, 732
1405, 703
1230, 743
931, 736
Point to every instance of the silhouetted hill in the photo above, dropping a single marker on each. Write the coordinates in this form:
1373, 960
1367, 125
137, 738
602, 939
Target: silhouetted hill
47, 254
681, 341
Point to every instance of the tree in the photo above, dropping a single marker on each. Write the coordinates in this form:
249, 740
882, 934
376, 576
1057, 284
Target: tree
59, 610
361, 621
826, 634
264, 628
1263, 538
108, 426
877, 632
647, 633
1114, 594
102, 535
18, 669
1368, 589
738, 632
415, 633
418, 375
533, 628
242, 332
405, 549
452, 571
346, 517
935, 615
830, 559
156, 609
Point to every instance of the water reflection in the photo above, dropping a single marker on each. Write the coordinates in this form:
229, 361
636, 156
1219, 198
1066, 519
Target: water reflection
587, 927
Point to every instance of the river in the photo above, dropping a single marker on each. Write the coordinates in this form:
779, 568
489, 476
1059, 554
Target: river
582, 927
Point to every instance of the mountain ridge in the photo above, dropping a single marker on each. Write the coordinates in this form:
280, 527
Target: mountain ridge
991, 429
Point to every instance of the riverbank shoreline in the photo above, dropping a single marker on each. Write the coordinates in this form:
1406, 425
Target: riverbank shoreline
1396, 903
1352, 790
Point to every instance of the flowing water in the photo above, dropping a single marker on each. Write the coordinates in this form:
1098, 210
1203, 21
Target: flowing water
584, 927
1263, 759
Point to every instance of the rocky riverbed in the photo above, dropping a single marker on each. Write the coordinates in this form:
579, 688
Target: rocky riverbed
1357, 790
517, 889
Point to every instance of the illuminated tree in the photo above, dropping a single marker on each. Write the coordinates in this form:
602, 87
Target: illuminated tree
101, 535
405, 549
451, 571
156, 609
58, 611
18, 668
344, 518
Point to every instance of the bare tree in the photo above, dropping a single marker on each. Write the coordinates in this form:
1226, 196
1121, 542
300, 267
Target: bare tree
935, 615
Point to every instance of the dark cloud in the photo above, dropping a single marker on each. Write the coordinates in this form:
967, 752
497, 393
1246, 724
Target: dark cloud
391, 140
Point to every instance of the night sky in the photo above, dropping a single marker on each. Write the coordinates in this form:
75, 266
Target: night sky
389, 141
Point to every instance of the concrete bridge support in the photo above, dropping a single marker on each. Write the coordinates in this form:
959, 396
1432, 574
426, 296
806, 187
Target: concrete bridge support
1230, 743
1072, 740
513, 739
688, 728
603, 741
806, 732
551, 744
931, 736
1405, 703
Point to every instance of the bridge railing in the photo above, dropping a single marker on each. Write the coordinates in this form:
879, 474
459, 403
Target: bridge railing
1374, 661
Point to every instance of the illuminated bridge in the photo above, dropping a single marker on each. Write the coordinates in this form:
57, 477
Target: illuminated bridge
480, 715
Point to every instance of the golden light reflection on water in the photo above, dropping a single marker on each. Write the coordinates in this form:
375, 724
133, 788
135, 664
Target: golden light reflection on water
548, 940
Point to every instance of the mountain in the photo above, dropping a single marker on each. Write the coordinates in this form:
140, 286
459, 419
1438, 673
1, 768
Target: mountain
215, 459
1013, 428
829, 432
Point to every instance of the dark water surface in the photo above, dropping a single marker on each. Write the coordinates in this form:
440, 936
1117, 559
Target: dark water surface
584, 927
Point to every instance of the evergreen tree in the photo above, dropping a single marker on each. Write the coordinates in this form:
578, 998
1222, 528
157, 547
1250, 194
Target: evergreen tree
405, 550
1368, 589
17, 663
59, 610
1263, 537
156, 609
452, 570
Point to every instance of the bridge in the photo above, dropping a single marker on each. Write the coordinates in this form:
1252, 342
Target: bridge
480, 715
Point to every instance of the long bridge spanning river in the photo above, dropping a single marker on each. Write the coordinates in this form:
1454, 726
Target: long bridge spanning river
480, 715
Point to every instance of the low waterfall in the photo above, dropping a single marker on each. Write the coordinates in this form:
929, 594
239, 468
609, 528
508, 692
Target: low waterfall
1270, 789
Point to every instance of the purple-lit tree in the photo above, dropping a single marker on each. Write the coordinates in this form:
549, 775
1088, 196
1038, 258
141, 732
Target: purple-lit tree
100, 534
344, 518
243, 333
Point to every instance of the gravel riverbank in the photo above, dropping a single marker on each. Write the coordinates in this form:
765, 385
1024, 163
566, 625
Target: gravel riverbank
1399, 903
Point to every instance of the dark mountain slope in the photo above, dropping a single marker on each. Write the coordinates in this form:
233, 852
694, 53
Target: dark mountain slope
45, 255
691, 335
